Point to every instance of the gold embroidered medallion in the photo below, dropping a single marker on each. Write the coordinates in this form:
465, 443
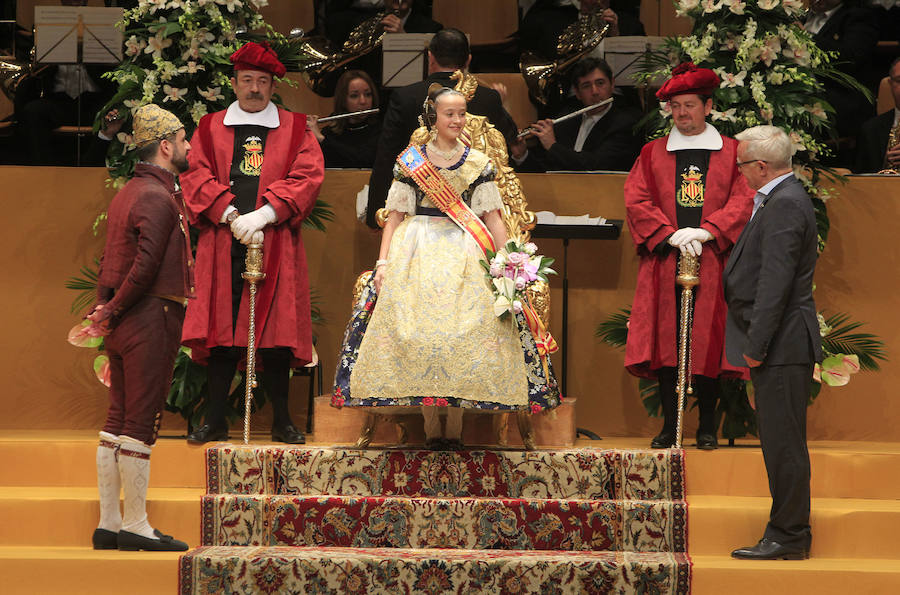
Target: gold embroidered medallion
691, 192
253, 157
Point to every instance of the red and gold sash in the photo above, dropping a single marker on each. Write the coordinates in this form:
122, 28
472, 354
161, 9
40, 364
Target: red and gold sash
443, 196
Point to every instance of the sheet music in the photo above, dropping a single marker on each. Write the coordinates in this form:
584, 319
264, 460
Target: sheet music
403, 58
623, 54
551, 218
56, 34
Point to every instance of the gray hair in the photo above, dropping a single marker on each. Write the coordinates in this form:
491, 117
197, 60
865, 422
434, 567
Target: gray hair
768, 143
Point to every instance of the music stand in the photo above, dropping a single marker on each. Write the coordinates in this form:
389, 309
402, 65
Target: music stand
77, 35
403, 58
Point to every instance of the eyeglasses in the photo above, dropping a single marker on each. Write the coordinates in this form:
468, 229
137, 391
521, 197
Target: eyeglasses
743, 163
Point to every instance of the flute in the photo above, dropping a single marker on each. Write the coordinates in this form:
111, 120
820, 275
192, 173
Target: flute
584, 110
364, 112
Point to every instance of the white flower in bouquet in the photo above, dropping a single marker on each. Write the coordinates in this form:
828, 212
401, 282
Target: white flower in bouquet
768, 4
729, 115
686, 6
156, 45
134, 46
530, 248
230, 4
211, 95
191, 67
798, 54
730, 79
770, 49
166, 70
150, 86
816, 110
711, 5
736, 6
517, 306
793, 7
520, 283
173, 93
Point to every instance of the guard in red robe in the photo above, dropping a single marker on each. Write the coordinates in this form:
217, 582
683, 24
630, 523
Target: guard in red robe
255, 175
684, 194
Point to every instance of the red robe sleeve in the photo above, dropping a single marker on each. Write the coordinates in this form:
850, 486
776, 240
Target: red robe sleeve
204, 196
648, 225
727, 222
294, 196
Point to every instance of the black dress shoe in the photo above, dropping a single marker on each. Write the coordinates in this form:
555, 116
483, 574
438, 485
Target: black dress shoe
208, 433
288, 434
707, 441
436, 444
132, 542
767, 549
104, 539
663, 440
454, 445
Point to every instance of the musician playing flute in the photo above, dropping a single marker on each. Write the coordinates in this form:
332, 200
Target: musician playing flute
602, 138
685, 194
255, 174
351, 141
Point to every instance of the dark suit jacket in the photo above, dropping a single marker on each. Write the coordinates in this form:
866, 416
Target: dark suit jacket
611, 144
871, 144
341, 18
768, 283
401, 120
852, 33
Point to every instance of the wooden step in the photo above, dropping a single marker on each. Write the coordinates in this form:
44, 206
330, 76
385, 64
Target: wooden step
839, 470
67, 517
841, 527
50, 570
715, 575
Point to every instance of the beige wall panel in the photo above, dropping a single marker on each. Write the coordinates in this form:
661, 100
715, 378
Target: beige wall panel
51, 385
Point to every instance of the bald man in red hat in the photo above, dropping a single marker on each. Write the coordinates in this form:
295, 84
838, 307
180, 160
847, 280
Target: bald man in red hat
255, 175
684, 194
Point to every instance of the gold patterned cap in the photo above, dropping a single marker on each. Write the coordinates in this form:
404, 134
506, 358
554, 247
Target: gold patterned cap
152, 123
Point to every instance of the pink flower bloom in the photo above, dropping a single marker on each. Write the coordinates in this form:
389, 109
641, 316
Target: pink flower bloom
517, 306
441, 402
520, 283
517, 258
428, 401
496, 270
535, 408
530, 271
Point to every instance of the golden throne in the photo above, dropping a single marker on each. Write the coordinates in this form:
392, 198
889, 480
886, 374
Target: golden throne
480, 134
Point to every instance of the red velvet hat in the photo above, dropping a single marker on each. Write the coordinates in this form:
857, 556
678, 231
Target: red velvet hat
258, 56
687, 78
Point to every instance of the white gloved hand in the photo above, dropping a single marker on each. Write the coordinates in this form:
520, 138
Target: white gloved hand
245, 226
694, 248
686, 235
257, 237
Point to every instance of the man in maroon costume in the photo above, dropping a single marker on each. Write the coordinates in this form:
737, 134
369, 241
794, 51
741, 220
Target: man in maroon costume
684, 194
142, 291
255, 172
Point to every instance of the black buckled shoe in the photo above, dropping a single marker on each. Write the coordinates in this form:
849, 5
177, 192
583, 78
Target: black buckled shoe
454, 444
104, 539
767, 549
663, 440
288, 434
208, 433
132, 542
707, 441
436, 444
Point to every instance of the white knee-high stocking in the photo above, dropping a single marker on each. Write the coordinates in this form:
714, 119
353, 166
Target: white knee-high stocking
454, 423
108, 482
134, 468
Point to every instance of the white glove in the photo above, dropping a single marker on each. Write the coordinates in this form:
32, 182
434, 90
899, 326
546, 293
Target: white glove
694, 248
257, 238
245, 226
686, 235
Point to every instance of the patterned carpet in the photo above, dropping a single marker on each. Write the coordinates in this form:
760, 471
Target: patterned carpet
330, 520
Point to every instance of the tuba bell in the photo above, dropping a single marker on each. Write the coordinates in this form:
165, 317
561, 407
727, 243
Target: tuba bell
543, 77
326, 61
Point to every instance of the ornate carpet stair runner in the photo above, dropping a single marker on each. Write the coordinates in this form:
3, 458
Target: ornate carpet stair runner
283, 519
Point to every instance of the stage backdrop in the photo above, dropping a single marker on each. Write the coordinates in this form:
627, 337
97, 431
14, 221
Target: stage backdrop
50, 384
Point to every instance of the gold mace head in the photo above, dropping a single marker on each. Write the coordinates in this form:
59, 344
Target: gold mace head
253, 264
688, 271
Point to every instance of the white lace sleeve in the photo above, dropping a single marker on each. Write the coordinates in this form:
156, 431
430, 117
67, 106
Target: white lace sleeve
401, 198
485, 198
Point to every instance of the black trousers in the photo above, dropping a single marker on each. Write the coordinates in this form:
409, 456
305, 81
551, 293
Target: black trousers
782, 394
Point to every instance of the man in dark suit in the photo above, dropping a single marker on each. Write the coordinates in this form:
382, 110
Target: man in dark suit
772, 328
600, 139
403, 16
872, 150
852, 32
448, 52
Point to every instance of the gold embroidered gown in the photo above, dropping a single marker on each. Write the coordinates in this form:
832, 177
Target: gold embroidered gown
432, 337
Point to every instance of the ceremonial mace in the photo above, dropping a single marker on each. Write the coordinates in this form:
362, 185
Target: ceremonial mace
688, 277
253, 275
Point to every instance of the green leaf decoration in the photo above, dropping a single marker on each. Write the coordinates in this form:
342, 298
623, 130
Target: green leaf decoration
842, 339
614, 330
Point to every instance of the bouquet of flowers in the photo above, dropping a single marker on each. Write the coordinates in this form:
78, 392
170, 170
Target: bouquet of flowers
511, 270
